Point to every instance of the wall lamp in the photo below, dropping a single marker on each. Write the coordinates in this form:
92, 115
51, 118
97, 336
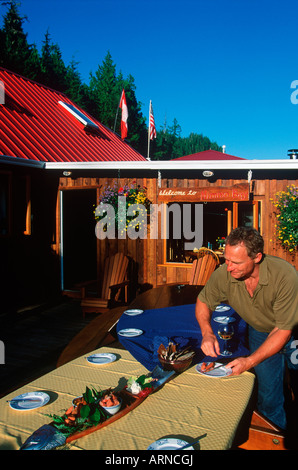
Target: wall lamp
208, 174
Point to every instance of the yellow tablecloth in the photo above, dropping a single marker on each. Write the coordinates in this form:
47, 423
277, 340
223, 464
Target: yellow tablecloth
186, 407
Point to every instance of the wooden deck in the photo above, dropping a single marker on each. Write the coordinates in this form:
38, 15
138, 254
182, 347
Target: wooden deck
35, 338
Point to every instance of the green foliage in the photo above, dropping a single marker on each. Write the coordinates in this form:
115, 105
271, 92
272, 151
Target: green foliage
90, 414
170, 145
16, 53
105, 91
286, 204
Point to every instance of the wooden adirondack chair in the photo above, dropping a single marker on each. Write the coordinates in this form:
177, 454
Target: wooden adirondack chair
203, 267
108, 290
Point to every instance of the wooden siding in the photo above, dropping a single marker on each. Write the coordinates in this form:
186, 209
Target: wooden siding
148, 254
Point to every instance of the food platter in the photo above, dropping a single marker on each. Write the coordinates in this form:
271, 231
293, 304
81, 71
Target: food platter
219, 370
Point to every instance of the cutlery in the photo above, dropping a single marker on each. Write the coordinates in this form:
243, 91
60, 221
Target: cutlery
192, 443
211, 370
32, 400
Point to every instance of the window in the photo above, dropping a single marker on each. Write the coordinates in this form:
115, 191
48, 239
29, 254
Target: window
218, 220
184, 224
79, 115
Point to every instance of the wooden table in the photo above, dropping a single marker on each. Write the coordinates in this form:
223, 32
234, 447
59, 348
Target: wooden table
167, 296
95, 334
186, 407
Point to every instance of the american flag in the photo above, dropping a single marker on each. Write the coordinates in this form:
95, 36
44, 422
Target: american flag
152, 130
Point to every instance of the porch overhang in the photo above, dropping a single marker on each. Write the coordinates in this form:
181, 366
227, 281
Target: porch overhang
172, 165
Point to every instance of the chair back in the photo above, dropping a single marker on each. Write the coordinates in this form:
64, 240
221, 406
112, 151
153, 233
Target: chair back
115, 270
202, 268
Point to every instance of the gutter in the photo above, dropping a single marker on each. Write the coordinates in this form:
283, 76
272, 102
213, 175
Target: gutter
177, 165
21, 162
156, 165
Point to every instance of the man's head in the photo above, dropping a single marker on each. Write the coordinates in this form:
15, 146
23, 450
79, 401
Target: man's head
243, 252
249, 237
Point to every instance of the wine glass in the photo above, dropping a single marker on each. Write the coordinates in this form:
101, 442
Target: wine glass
225, 332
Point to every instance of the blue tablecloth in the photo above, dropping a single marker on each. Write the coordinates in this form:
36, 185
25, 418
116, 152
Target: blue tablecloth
177, 324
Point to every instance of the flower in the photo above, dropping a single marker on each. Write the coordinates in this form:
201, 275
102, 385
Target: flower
221, 241
133, 194
286, 204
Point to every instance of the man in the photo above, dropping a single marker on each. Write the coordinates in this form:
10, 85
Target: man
263, 291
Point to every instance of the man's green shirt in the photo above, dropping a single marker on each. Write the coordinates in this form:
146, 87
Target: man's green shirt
275, 299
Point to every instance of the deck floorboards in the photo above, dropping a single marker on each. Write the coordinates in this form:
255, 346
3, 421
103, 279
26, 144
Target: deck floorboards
35, 338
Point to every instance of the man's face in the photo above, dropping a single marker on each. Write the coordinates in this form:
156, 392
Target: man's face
239, 264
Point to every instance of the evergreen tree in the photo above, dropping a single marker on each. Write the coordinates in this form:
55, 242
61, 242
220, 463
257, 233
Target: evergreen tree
166, 140
137, 129
75, 88
194, 143
169, 144
53, 69
15, 53
105, 92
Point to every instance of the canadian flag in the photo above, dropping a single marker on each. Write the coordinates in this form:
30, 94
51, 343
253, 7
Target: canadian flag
124, 117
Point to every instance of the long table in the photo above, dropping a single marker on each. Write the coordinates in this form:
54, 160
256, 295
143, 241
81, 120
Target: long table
186, 407
177, 324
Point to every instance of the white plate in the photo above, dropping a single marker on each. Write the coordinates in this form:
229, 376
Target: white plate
220, 372
102, 358
169, 444
133, 311
29, 401
130, 332
224, 319
222, 308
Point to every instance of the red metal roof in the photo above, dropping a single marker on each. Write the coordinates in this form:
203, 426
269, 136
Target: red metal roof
209, 155
34, 126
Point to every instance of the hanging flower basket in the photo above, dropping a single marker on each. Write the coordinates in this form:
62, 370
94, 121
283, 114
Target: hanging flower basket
128, 204
286, 228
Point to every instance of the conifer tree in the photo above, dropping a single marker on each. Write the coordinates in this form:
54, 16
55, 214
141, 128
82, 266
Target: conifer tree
104, 92
15, 52
53, 69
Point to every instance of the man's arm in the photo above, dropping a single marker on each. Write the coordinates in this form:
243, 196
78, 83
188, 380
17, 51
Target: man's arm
273, 344
209, 343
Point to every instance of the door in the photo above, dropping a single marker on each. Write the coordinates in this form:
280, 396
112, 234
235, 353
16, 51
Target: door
78, 236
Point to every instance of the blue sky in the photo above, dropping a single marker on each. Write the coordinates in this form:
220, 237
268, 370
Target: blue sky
222, 68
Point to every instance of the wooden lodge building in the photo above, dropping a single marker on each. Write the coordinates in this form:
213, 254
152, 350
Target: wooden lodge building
55, 162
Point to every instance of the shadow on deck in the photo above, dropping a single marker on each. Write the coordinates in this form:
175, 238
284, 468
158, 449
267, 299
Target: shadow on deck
35, 338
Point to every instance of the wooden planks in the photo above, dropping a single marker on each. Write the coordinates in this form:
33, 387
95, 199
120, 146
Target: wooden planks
149, 254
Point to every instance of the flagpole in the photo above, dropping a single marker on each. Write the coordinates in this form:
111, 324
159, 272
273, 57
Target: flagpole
117, 114
148, 151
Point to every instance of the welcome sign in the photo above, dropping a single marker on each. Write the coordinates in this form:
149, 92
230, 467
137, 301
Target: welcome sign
239, 192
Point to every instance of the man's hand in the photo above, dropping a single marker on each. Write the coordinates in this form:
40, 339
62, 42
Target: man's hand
239, 365
273, 344
210, 345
